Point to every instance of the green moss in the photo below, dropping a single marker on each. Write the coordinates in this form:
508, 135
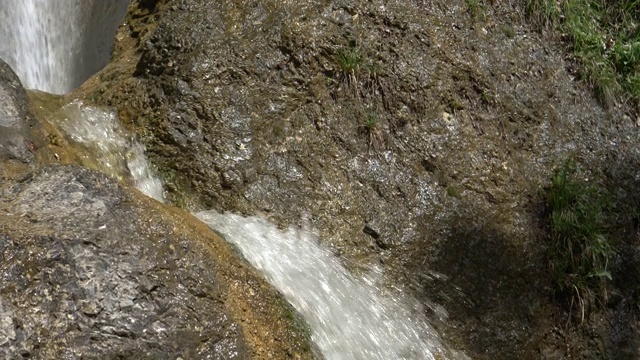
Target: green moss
508, 31
278, 130
176, 186
296, 322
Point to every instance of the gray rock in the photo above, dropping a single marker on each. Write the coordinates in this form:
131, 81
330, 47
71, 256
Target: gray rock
84, 275
14, 120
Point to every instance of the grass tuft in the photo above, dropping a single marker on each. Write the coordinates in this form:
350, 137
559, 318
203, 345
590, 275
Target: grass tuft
372, 130
580, 249
605, 37
350, 61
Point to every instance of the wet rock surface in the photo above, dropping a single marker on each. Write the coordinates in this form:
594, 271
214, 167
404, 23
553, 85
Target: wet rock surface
81, 279
427, 155
91, 271
14, 117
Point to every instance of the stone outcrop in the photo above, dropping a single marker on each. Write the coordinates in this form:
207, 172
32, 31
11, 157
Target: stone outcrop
93, 270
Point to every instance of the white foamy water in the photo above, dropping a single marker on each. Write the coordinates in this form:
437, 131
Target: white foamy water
45, 39
54, 45
349, 317
109, 148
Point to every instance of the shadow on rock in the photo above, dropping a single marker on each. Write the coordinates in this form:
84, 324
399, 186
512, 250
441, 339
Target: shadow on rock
622, 180
492, 289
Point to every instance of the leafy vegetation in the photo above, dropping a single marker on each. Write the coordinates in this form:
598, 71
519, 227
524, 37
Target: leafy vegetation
605, 36
580, 249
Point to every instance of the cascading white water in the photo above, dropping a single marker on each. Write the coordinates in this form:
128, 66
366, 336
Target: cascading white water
349, 317
108, 147
54, 45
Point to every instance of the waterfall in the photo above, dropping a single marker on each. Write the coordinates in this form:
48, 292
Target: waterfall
55, 45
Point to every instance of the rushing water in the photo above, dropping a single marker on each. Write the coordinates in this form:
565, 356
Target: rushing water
54, 45
349, 317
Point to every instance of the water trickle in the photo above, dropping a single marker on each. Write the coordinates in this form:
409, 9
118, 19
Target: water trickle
349, 317
108, 147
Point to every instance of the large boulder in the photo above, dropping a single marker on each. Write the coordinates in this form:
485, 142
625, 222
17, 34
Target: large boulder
91, 270
14, 117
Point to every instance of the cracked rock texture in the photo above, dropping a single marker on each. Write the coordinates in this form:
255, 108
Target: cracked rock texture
90, 279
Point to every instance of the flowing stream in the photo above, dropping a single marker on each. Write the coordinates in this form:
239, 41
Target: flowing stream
350, 317
108, 147
54, 45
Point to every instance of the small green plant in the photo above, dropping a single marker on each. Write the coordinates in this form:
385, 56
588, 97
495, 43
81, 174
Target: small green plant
350, 60
580, 248
362, 74
476, 9
371, 121
488, 97
371, 128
